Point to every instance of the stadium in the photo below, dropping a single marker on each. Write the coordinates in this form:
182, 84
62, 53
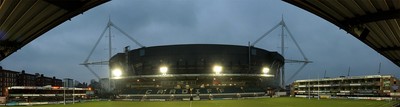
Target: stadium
200, 71
195, 71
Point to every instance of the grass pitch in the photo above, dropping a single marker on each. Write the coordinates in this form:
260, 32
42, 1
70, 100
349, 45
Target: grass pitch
264, 102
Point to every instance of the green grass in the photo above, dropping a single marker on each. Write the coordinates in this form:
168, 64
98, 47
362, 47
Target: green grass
265, 102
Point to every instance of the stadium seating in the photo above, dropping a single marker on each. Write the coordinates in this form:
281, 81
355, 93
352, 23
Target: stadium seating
254, 89
194, 91
144, 94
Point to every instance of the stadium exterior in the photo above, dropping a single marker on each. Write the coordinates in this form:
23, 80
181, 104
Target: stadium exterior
201, 70
360, 87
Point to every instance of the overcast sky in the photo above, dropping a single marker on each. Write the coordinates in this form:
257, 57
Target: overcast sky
167, 22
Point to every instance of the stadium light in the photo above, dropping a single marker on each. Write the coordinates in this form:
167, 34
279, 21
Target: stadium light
217, 69
163, 70
265, 70
117, 72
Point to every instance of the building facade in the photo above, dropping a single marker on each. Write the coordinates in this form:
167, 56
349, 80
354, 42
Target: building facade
7, 79
68, 82
105, 84
26, 79
10, 78
355, 86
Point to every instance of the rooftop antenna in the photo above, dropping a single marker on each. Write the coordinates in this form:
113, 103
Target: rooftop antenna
325, 74
379, 70
305, 60
110, 24
249, 57
348, 72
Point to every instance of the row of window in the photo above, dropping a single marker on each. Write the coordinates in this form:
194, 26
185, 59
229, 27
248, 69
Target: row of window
336, 82
6, 74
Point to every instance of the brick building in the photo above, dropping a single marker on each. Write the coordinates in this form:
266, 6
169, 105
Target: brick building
7, 78
25, 79
10, 78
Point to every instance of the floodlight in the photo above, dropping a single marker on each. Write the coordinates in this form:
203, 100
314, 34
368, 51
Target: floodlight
163, 70
117, 72
265, 70
217, 69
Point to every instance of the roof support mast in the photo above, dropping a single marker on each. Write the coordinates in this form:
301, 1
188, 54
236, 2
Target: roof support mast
283, 52
86, 62
109, 52
109, 43
305, 60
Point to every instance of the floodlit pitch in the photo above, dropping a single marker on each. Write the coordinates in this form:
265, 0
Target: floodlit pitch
264, 102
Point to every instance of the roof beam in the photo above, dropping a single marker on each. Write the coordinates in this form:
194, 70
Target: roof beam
364, 34
389, 48
8, 44
373, 17
358, 31
7, 47
69, 5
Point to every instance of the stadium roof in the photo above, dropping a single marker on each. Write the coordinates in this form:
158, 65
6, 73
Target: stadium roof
22, 21
374, 22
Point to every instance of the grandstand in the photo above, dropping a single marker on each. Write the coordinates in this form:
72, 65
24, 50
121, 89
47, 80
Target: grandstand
196, 71
26, 95
370, 86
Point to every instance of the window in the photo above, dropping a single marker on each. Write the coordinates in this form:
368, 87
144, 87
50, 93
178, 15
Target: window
142, 52
253, 52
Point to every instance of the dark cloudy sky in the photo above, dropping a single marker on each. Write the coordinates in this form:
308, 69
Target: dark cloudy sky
166, 22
